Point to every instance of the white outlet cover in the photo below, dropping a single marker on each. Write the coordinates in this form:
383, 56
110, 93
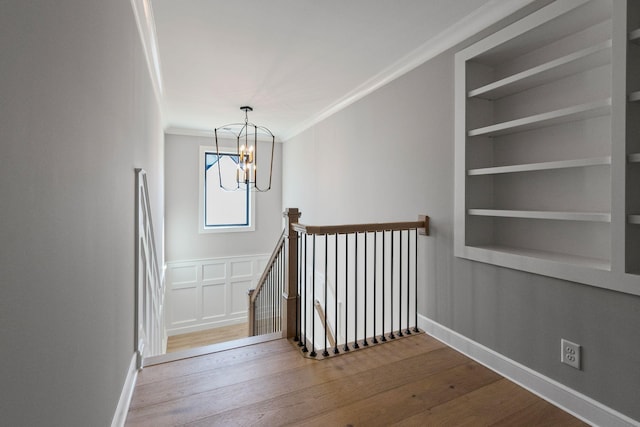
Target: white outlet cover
570, 353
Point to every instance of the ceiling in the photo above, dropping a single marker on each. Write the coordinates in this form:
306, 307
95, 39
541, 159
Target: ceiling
297, 61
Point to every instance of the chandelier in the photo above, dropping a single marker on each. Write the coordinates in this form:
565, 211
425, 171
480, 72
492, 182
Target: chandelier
245, 154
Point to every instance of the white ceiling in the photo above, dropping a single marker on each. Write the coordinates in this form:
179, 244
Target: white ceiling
297, 61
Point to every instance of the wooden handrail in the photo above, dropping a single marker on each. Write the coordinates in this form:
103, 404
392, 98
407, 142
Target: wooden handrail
422, 225
255, 292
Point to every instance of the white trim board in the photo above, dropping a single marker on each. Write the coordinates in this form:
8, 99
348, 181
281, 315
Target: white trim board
212, 348
569, 400
221, 258
145, 22
206, 326
205, 133
122, 409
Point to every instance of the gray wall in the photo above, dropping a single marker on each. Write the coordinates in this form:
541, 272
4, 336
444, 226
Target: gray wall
390, 157
77, 115
183, 241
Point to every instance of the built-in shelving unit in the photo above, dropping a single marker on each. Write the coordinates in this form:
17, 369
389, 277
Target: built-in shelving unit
554, 259
591, 57
536, 143
564, 115
632, 201
567, 216
559, 164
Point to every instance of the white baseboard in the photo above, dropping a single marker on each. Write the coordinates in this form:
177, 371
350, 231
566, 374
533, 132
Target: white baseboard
122, 409
205, 326
571, 401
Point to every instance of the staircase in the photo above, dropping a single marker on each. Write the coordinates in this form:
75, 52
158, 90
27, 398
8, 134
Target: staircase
338, 288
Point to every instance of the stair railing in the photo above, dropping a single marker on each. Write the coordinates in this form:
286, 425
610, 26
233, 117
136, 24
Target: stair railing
372, 272
149, 337
272, 304
342, 287
265, 301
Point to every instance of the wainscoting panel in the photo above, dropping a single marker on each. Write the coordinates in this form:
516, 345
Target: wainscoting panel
210, 293
239, 292
213, 305
186, 274
215, 271
183, 306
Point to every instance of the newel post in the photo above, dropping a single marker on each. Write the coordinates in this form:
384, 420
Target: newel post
252, 314
290, 295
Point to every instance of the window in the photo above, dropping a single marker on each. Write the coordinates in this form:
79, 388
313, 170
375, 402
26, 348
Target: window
220, 209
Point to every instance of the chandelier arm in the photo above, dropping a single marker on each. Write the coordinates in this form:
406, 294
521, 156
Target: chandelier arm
263, 190
239, 162
229, 125
266, 130
255, 156
237, 187
273, 146
219, 166
218, 162
228, 128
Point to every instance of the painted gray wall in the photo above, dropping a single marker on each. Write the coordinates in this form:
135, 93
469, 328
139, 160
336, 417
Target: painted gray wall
77, 115
183, 241
390, 157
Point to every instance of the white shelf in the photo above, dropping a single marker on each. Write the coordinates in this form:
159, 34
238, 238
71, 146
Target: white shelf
567, 216
564, 115
600, 264
633, 219
634, 96
560, 164
634, 36
573, 63
633, 158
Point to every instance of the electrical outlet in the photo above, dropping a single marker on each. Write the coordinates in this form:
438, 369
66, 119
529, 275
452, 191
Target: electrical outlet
570, 353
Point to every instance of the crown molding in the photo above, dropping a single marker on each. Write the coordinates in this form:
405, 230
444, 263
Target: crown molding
143, 14
204, 133
485, 16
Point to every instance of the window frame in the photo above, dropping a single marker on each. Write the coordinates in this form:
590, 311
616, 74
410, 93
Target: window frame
202, 227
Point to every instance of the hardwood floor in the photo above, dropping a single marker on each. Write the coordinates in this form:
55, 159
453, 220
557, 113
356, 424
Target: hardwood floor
414, 381
206, 337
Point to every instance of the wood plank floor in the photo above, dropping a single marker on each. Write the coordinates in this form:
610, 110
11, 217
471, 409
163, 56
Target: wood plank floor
414, 381
207, 337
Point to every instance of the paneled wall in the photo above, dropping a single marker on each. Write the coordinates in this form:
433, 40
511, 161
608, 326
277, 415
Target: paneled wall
210, 293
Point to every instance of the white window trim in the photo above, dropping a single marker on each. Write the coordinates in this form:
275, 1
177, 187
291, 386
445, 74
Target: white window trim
224, 149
